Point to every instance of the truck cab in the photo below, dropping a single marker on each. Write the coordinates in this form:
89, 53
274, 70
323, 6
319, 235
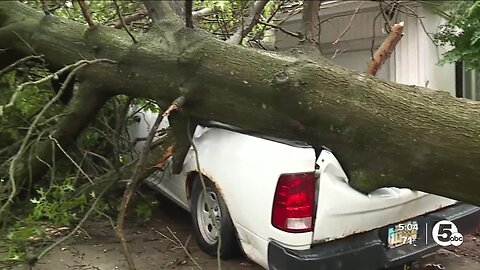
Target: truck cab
287, 205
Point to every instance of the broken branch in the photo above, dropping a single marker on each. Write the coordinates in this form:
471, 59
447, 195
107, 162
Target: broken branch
384, 51
166, 155
176, 104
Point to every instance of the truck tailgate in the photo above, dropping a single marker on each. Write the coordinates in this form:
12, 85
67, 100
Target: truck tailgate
343, 211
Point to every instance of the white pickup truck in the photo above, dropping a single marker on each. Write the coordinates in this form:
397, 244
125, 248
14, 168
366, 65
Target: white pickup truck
287, 205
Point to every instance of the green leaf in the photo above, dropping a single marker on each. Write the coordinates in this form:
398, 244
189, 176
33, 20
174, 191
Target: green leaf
475, 38
35, 201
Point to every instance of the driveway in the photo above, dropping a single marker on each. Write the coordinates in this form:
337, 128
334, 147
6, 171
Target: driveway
154, 247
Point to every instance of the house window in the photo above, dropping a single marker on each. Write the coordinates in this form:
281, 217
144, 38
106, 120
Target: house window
467, 82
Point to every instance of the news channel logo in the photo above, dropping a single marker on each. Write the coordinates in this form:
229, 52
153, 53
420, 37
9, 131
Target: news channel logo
445, 234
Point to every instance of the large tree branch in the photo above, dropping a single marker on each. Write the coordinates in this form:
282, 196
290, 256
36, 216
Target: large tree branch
384, 133
250, 22
81, 110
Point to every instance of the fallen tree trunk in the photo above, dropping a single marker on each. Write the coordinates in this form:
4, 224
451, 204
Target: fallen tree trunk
385, 134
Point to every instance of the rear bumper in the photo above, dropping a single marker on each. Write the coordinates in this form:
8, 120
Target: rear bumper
368, 250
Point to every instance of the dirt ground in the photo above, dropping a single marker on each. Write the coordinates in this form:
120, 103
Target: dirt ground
153, 247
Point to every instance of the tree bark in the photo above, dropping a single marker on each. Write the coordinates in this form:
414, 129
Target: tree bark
311, 23
383, 133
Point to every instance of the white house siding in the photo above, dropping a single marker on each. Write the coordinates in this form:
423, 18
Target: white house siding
408, 54
415, 57
357, 60
353, 51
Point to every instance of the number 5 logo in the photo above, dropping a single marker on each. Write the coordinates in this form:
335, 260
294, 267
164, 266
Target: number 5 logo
445, 233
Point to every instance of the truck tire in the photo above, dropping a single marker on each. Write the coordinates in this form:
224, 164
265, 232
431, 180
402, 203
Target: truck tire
206, 234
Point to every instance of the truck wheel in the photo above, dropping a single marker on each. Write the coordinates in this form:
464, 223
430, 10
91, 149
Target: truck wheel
206, 232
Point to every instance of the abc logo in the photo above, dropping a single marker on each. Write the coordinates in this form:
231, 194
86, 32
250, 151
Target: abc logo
445, 233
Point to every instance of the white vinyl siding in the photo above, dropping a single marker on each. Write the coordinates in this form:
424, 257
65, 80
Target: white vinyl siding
414, 61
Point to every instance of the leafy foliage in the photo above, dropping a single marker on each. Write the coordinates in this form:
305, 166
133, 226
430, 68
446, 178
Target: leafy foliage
230, 16
58, 204
16, 240
224, 22
102, 11
17, 118
462, 31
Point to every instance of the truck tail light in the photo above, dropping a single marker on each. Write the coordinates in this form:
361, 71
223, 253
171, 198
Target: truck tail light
293, 204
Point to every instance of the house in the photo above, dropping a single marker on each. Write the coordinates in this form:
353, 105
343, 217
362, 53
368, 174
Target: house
414, 61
